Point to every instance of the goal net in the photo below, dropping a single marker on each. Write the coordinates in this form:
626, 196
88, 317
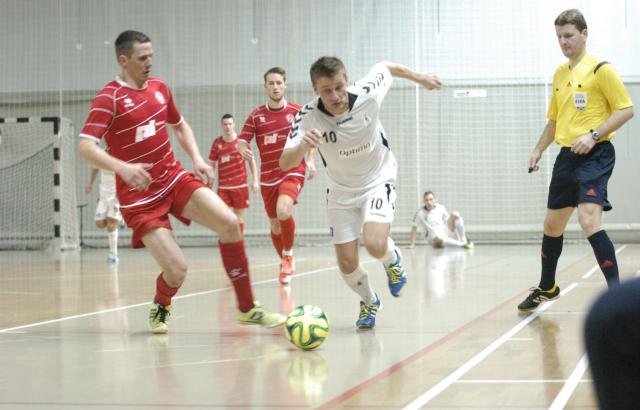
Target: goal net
37, 188
469, 142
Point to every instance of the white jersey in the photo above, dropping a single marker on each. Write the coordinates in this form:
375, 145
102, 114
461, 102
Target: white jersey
434, 221
354, 146
107, 185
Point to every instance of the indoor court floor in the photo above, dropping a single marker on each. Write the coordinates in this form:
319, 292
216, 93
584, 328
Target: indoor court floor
73, 333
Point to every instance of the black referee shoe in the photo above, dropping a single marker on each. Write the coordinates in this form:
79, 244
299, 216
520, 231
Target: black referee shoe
537, 296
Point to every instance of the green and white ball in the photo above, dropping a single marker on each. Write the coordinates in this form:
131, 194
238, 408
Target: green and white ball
306, 327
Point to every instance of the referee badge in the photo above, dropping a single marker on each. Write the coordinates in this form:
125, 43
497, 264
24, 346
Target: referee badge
580, 101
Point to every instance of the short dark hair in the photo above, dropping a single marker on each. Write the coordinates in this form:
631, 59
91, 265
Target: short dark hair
276, 70
571, 16
326, 67
224, 117
428, 193
126, 40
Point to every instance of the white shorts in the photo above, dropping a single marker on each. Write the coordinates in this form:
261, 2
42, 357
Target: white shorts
440, 231
108, 208
348, 212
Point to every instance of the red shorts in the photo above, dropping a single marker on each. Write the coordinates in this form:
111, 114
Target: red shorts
235, 198
141, 219
290, 186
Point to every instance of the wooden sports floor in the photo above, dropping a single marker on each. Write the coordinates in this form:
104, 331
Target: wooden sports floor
73, 333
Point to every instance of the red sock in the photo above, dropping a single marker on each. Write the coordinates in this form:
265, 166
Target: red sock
288, 230
164, 292
235, 263
277, 243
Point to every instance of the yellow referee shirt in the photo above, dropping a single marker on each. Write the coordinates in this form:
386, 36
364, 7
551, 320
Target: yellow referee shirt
581, 100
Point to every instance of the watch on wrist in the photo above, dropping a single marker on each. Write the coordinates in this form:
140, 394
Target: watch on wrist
595, 135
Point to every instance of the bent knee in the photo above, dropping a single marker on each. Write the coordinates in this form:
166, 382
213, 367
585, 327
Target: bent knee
376, 248
347, 265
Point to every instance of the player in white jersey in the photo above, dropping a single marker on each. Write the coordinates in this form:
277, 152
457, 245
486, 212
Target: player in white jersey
441, 227
108, 209
343, 123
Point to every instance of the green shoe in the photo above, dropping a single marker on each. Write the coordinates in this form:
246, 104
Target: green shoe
159, 318
259, 315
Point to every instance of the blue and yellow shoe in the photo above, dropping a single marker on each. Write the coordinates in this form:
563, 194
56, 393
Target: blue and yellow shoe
367, 318
395, 274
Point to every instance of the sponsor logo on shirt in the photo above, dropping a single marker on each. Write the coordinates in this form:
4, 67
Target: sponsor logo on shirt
289, 118
225, 158
128, 102
349, 118
354, 151
270, 139
145, 131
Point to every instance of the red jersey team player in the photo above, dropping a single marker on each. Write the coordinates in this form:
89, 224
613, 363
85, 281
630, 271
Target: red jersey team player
131, 114
270, 124
232, 172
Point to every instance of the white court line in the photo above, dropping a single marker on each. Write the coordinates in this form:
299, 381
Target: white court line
121, 308
595, 268
572, 382
460, 371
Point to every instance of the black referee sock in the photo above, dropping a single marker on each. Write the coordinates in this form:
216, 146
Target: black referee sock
606, 256
551, 250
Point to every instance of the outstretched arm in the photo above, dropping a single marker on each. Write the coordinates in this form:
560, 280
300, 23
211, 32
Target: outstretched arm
428, 81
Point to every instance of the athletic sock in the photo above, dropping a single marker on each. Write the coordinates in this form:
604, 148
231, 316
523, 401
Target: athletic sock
606, 256
113, 241
551, 250
389, 257
287, 233
164, 292
358, 281
234, 259
277, 243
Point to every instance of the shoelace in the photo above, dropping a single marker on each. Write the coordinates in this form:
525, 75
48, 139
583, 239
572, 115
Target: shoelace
367, 310
394, 274
162, 312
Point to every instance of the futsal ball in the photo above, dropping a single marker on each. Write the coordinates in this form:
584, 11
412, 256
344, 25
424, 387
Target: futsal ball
306, 327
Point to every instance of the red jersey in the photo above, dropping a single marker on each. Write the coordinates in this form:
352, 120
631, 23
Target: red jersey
232, 172
271, 129
133, 123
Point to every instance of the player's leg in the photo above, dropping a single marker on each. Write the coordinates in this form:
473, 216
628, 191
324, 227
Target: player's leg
206, 208
378, 210
612, 338
112, 234
288, 192
455, 224
554, 225
160, 242
270, 200
562, 198
593, 176
346, 225
240, 202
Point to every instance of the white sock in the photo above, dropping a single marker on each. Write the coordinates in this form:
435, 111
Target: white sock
287, 253
358, 280
389, 256
452, 242
459, 227
113, 241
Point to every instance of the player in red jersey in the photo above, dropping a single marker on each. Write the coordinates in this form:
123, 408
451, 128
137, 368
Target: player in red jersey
131, 115
270, 124
232, 172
